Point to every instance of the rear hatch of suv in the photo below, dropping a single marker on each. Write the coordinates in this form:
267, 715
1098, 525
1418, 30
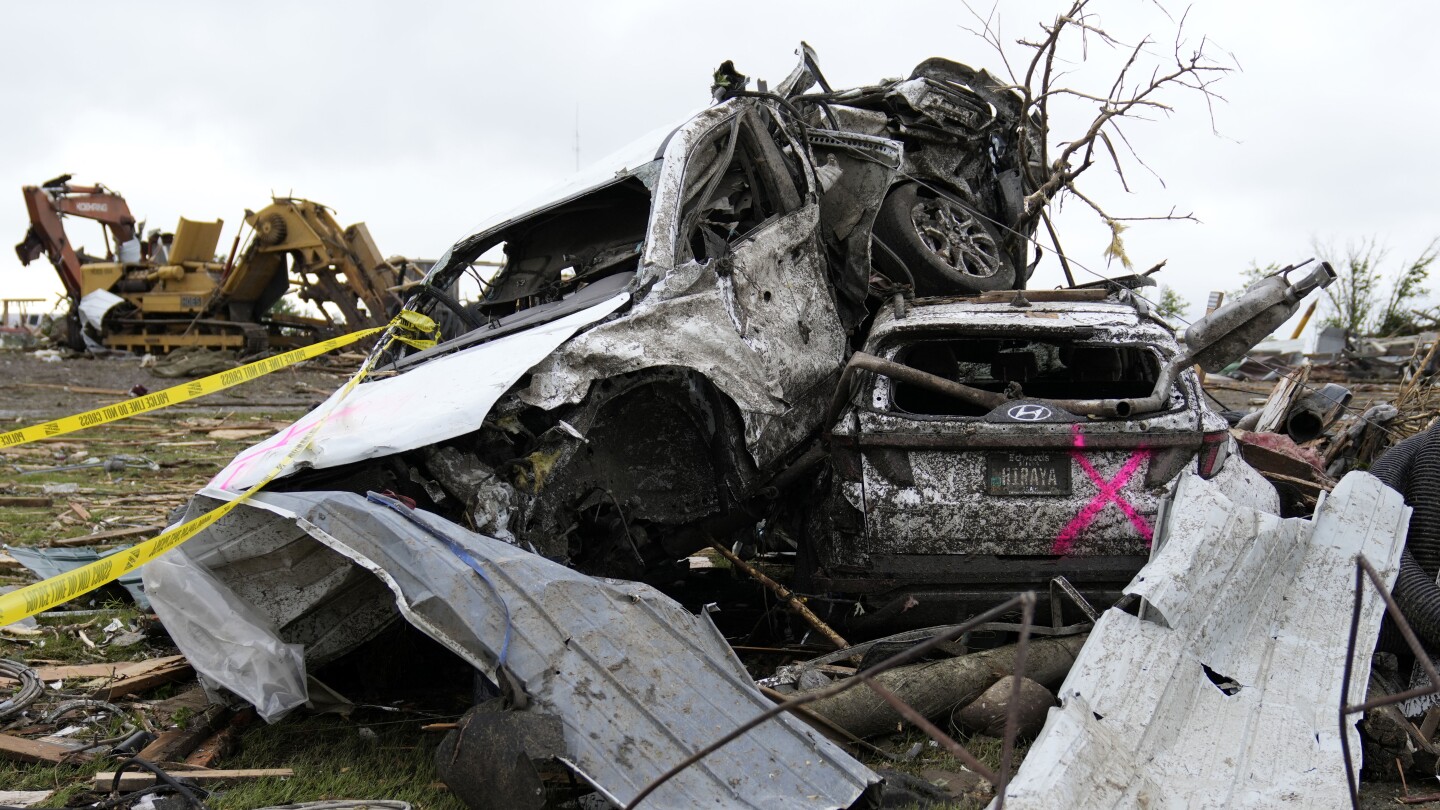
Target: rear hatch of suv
938, 501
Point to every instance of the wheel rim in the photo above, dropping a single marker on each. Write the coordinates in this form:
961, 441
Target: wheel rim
956, 237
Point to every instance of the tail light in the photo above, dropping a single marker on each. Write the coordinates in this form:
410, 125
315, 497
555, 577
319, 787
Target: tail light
1214, 450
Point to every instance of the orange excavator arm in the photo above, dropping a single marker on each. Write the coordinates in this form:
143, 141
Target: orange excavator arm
48, 203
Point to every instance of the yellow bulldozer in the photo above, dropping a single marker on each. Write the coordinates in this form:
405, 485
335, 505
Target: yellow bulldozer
173, 290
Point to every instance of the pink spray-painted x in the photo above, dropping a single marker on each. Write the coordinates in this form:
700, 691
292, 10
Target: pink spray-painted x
1109, 492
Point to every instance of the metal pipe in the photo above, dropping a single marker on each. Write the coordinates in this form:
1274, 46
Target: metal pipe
1125, 408
914, 376
1121, 408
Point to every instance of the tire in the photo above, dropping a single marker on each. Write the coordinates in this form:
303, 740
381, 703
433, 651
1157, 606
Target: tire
947, 247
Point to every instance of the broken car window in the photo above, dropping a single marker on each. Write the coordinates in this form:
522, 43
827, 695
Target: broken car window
1042, 368
735, 180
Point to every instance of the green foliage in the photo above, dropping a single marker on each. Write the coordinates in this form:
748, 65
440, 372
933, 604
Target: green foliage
1171, 306
1251, 276
289, 305
1357, 300
332, 759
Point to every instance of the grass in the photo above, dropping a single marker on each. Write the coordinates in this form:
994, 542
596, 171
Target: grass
333, 759
111, 500
114, 499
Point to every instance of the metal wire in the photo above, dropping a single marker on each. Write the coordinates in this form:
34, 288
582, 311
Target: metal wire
1025, 601
31, 687
188, 792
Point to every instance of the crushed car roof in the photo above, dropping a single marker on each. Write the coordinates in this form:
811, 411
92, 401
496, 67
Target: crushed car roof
970, 312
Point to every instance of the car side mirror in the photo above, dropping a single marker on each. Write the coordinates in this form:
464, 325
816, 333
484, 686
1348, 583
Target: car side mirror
1227, 334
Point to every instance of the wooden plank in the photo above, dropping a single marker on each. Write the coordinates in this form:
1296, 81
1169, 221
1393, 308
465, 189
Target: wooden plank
113, 534
192, 701
223, 741
109, 670
25, 500
128, 683
68, 671
138, 780
20, 749
23, 798
1277, 405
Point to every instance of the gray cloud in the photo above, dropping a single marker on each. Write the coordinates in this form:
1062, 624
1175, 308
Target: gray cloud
421, 118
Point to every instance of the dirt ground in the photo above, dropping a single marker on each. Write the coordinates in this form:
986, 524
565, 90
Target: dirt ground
35, 389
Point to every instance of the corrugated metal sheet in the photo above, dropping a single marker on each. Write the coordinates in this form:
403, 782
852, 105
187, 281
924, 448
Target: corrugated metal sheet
638, 681
1225, 694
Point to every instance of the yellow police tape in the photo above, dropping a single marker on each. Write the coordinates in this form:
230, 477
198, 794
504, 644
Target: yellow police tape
49, 593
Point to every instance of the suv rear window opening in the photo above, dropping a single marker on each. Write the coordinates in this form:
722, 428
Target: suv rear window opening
1058, 369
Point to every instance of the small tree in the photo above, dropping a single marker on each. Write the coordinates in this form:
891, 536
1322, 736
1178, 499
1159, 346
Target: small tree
1357, 301
1171, 306
1142, 87
1251, 276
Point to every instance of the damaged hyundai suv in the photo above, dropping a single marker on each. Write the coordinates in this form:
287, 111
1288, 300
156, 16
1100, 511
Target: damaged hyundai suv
990, 444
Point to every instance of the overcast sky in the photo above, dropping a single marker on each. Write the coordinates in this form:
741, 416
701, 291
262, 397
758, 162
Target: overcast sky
421, 118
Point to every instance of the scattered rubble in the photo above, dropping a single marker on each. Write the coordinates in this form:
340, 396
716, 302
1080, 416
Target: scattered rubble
670, 494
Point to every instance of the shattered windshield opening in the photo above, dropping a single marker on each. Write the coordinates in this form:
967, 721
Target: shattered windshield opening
736, 181
541, 258
1043, 368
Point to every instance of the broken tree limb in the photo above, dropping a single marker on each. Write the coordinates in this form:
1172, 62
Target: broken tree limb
935, 688
831, 731
794, 602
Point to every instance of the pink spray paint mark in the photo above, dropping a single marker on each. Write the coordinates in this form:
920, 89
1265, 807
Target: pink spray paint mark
296, 430
1109, 492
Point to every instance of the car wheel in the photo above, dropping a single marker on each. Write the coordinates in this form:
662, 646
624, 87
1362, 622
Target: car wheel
947, 247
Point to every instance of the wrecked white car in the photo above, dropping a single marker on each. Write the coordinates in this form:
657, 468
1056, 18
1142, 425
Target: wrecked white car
648, 369
658, 348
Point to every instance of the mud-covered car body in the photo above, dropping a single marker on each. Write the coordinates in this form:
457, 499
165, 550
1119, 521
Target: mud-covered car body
939, 508
713, 277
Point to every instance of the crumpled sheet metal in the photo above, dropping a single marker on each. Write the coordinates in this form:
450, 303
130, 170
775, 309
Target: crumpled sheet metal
94, 306
638, 681
1259, 600
771, 357
437, 400
240, 646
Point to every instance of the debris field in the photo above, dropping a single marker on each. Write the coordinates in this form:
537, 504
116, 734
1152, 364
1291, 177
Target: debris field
753, 474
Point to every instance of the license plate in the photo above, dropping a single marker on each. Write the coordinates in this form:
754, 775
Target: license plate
1027, 474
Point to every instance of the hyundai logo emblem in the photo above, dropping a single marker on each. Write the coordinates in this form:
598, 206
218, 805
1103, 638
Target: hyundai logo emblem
1029, 413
